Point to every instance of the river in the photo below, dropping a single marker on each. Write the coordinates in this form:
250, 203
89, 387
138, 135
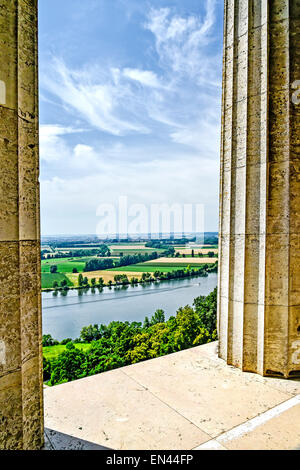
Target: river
64, 314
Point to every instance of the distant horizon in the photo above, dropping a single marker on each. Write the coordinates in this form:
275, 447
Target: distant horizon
128, 235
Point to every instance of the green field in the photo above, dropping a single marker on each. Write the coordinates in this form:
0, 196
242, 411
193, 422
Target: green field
209, 247
148, 268
175, 265
48, 279
65, 265
51, 352
78, 247
134, 251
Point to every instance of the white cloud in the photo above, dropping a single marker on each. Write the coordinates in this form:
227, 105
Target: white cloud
122, 101
184, 180
98, 98
203, 135
181, 43
145, 77
52, 146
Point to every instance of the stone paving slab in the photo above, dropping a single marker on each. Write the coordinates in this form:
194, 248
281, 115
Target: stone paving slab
187, 400
205, 390
281, 432
112, 410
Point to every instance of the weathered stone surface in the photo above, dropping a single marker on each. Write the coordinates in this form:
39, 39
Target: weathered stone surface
259, 274
21, 404
171, 402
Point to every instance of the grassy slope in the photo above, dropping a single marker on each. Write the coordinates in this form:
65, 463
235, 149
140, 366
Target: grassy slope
48, 279
51, 352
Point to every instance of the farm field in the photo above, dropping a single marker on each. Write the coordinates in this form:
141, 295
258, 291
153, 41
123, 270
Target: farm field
64, 265
48, 279
128, 246
107, 275
134, 251
150, 268
195, 247
78, 247
51, 352
181, 261
205, 251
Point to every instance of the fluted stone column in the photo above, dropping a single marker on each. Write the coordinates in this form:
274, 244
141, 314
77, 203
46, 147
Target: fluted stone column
21, 413
259, 273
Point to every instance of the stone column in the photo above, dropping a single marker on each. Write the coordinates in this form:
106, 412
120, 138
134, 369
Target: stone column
259, 273
21, 404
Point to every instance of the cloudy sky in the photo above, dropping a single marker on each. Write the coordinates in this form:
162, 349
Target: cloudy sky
130, 94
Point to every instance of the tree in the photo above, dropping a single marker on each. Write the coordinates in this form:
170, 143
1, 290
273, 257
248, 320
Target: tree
90, 333
124, 280
55, 284
70, 365
66, 341
85, 281
75, 270
63, 283
48, 341
193, 253
104, 250
80, 280
122, 343
206, 308
53, 269
158, 317
96, 264
93, 282
211, 254
188, 328
46, 369
101, 281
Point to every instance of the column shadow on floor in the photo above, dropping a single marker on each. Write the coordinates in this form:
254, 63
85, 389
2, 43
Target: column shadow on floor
55, 440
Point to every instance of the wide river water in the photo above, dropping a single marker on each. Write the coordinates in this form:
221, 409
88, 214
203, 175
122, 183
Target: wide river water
65, 314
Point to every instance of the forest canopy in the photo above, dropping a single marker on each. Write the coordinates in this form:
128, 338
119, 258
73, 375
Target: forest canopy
123, 343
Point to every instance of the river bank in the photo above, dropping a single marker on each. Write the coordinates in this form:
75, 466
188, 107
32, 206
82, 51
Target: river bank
203, 271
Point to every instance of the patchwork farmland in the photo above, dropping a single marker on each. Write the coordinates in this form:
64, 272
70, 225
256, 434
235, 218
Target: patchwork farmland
69, 269
181, 262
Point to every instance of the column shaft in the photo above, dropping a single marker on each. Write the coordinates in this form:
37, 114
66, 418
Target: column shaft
259, 274
21, 410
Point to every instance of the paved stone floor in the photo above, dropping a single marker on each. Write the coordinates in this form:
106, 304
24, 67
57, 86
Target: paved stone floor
187, 400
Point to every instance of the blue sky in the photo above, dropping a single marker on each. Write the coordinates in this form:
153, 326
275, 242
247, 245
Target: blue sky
130, 95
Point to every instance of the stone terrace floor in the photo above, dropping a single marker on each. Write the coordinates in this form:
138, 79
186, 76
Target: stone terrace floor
187, 400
